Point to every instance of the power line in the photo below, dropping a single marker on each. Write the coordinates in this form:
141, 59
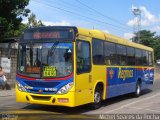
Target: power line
95, 12
100, 13
96, 20
76, 6
71, 5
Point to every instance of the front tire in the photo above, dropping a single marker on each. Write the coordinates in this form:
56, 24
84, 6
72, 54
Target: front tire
97, 99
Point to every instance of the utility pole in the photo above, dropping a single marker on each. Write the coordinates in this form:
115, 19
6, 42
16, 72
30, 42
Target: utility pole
137, 25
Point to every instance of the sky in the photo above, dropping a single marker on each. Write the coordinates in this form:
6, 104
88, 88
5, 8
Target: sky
111, 16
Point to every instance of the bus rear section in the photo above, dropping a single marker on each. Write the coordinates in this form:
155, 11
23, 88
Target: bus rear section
129, 67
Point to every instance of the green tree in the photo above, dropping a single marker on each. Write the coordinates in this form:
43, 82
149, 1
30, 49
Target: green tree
157, 47
146, 37
11, 13
33, 22
22, 27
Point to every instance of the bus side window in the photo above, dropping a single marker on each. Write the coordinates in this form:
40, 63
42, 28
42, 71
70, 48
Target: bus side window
97, 51
145, 57
121, 55
110, 53
83, 56
130, 56
139, 58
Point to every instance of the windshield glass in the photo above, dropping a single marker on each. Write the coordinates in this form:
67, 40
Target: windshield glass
43, 60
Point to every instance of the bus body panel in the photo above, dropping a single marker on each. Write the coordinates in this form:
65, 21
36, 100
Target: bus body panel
83, 92
99, 76
121, 82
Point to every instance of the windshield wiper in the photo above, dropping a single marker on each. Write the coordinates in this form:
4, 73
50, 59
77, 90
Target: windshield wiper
52, 49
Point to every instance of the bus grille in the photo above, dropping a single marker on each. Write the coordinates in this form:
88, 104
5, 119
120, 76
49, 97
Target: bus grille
45, 98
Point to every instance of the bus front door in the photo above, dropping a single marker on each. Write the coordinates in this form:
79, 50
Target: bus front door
83, 73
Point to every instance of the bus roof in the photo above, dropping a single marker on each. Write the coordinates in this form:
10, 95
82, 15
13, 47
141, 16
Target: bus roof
97, 34
109, 37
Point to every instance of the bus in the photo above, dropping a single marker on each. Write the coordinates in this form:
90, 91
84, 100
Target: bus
72, 66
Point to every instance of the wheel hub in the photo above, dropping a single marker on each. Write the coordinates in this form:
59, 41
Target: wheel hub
97, 97
138, 89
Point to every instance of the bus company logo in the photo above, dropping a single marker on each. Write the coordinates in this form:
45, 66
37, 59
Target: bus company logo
125, 74
111, 73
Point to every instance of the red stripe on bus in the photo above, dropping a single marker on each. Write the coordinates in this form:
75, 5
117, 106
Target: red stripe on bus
145, 68
47, 79
28, 78
139, 68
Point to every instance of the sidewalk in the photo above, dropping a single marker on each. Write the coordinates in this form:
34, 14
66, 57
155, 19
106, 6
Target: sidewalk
5, 93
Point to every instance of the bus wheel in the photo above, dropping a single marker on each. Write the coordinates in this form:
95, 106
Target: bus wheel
97, 98
138, 89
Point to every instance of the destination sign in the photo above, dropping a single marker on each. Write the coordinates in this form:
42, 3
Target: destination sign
51, 34
38, 35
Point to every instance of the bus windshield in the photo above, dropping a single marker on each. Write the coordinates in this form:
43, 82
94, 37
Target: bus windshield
45, 60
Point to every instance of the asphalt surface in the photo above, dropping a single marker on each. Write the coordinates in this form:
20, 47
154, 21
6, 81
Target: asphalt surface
147, 103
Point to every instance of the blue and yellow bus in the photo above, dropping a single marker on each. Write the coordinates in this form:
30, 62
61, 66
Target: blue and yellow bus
71, 66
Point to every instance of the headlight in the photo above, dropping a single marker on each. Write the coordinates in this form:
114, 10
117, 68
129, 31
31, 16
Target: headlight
20, 87
65, 88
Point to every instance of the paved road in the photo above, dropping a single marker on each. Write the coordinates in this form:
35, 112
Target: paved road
148, 102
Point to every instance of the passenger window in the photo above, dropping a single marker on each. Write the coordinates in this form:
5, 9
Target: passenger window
98, 53
121, 55
130, 56
110, 53
83, 56
145, 57
138, 57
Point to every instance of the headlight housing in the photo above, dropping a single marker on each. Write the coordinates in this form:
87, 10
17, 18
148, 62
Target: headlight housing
20, 87
65, 88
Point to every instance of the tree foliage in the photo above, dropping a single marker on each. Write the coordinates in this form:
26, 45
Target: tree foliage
157, 47
11, 12
33, 22
150, 39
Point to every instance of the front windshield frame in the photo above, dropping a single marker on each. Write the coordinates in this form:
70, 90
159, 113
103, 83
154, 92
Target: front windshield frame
40, 75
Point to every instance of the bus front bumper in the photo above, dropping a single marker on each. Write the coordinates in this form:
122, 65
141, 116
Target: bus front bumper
58, 100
